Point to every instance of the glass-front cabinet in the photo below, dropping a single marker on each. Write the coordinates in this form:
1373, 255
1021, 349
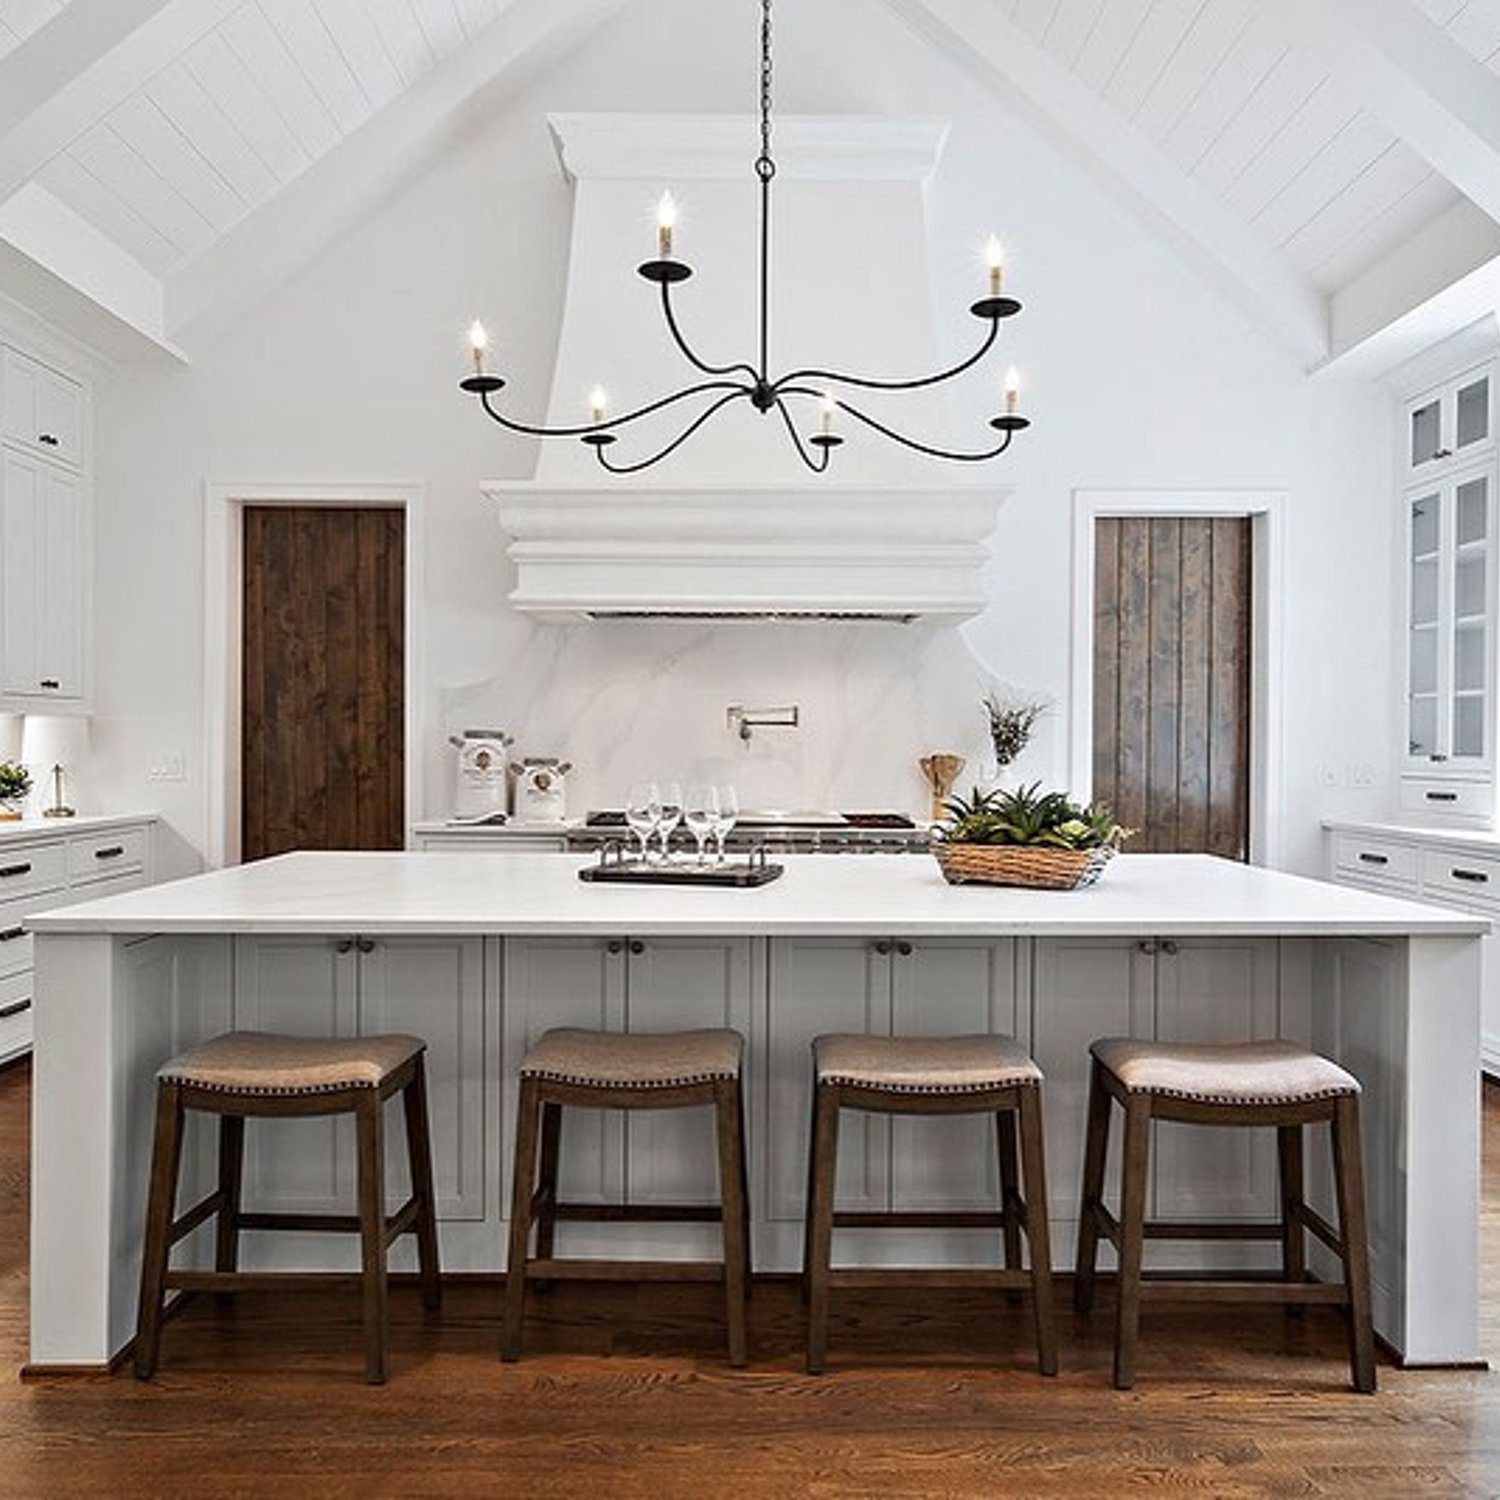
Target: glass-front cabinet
1452, 423
1450, 640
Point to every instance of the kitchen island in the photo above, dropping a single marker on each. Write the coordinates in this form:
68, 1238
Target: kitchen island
480, 954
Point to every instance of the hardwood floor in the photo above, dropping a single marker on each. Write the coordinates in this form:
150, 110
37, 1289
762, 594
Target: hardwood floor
625, 1391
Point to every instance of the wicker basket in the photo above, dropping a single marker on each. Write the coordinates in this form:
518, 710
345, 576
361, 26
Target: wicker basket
1021, 864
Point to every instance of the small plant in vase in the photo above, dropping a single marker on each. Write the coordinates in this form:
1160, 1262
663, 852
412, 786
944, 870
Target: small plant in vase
1012, 720
15, 786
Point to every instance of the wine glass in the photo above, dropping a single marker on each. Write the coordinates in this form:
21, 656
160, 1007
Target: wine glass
727, 815
671, 815
643, 813
701, 814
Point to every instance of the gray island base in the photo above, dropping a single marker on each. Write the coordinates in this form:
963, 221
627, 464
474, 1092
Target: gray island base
480, 953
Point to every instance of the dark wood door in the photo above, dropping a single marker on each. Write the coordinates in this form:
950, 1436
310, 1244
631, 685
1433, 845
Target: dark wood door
322, 751
1172, 671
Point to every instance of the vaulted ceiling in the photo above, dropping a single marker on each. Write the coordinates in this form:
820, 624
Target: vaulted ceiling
1334, 165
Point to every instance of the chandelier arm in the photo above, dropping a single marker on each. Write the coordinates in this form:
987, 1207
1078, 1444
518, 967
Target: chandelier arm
686, 348
817, 465
735, 387
919, 447
600, 450
868, 383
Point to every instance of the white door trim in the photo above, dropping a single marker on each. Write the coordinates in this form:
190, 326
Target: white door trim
1267, 512
223, 598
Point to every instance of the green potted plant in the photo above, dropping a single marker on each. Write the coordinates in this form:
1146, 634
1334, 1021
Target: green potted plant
1026, 837
15, 785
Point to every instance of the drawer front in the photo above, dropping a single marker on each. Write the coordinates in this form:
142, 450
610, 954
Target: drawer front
1462, 877
15, 1016
1376, 859
1447, 799
31, 869
102, 855
15, 941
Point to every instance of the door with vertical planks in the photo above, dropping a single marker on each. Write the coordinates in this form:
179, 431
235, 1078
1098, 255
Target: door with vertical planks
322, 752
1172, 680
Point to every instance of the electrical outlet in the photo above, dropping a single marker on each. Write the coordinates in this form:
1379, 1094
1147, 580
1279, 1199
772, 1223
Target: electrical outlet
168, 768
1360, 774
1328, 775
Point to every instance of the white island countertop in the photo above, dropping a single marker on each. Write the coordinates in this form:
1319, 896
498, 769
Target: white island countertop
819, 895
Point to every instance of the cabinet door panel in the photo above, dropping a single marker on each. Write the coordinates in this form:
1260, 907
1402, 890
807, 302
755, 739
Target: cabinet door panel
20, 577
821, 985
682, 984
1083, 989
60, 630
300, 987
59, 417
434, 988
1217, 990
949, 988
565, 982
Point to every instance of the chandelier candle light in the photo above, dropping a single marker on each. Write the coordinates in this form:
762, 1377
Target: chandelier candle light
744, 381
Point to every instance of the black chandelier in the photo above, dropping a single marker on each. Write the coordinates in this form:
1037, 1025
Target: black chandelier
752, 382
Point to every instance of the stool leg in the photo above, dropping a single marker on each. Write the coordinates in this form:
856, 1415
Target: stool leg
1038, 1235
733, 1212
1005, 1140
523, 1189
372, 1233
1096, 1152
745, 1237
547, 1175
1293, 1235
166, 1158
1349, 1176
1132, 1236
419, 1167
807, 1213
231, 1176
819, 1229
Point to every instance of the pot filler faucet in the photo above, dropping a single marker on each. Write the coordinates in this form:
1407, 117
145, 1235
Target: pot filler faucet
744, 720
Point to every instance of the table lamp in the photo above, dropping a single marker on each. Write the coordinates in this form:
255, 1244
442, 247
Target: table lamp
55, 744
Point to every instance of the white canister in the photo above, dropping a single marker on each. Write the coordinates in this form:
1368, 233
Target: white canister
541, 789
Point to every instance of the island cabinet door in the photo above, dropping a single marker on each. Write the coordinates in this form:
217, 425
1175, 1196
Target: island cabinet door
565, 982
300, 986
949, 987
1082, 989
685, 984
434, 988
1216, 990
820, 985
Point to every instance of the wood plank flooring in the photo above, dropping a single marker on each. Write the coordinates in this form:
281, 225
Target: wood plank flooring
624, 1391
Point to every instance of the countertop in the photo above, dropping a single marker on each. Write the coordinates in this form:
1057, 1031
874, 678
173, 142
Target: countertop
56, 828
1458, 838
1179, 895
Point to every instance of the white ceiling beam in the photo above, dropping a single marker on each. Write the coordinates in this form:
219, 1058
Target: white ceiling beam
65, 78
1210, 237
263, 250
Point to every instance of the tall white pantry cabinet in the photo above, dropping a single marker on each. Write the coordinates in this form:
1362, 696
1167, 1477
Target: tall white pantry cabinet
45, 423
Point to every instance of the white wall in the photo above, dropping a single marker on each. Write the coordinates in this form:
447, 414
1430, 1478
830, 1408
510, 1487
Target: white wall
1139, 377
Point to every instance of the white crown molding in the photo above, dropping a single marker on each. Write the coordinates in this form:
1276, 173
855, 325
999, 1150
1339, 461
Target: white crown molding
818, 148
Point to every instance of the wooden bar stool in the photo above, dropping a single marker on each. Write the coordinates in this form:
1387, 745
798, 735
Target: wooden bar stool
611, 1070
252, 1074
1247, 1083
927, 1075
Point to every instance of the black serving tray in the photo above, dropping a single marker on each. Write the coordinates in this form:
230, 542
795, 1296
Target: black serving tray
743, 874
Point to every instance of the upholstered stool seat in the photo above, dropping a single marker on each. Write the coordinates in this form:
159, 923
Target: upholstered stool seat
1258, 1083
250, 1074
637, 1060
260, 1062
636, 1071
930, 1075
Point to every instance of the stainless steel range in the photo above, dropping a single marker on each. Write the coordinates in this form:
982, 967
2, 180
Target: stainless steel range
783, 833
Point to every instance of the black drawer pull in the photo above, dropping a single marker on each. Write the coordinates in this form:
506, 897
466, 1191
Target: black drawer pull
18, 1009
1475, 877
50, 682
1442, 796
9, 872
48, 440
113, 852
1374, 859
11, 934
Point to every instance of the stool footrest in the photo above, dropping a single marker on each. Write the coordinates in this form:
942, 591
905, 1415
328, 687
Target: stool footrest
870, 1278
919, 1219
1165, 1289
554, 1269
200, 1213
403, 1221
261, 1281
636, 1213
1209, 1229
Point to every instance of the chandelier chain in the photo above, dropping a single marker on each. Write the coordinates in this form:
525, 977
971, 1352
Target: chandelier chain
766, 165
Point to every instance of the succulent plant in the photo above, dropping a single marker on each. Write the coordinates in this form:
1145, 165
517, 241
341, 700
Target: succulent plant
1028, 815
15, 781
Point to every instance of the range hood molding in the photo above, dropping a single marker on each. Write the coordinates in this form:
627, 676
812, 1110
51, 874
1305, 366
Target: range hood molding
896, 554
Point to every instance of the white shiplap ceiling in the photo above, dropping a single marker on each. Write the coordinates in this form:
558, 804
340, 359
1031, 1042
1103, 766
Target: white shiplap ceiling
1250, 129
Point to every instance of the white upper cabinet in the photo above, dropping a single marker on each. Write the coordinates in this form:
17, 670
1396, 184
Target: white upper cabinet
42, 410
1452, 423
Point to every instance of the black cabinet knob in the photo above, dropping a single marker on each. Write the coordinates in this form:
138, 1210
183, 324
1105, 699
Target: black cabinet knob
905, 949
614, 945
637, 947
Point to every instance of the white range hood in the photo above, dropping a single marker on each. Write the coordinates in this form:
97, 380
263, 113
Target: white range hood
732, 525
